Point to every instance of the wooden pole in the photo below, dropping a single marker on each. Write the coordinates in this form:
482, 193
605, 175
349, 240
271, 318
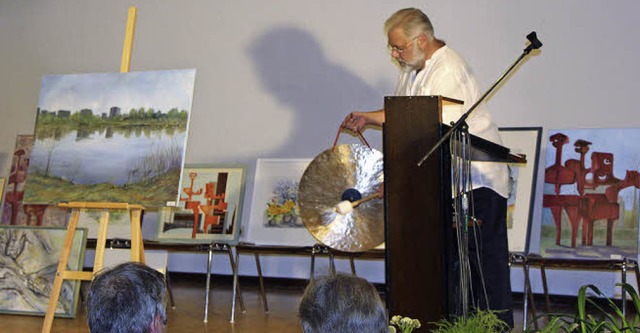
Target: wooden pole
135, 212
128, 40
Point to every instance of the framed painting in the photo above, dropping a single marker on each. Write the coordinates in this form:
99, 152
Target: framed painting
590, 204
521, 140
29, 262
110, 137
14, 212
275, 218
210, 206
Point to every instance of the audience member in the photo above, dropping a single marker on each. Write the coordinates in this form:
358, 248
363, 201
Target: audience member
128, 298
342, 304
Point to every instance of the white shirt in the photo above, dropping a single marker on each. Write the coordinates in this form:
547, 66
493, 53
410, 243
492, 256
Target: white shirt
446, 74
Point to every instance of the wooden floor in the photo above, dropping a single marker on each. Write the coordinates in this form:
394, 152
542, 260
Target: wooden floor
188, 314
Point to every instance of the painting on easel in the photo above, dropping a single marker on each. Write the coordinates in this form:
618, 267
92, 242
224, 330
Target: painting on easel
210, 206
112, 137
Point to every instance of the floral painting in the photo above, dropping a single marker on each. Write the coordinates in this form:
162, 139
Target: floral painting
110, 137
28, 265
282, 209
275, 216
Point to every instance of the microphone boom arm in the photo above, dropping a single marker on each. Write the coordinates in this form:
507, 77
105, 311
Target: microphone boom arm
535, 44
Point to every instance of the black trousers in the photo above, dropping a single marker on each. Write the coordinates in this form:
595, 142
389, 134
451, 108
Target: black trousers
492, 249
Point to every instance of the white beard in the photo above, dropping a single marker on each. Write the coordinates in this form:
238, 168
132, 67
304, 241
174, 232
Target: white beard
417, 63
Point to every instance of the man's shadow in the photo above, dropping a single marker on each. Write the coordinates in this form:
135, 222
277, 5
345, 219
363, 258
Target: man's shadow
292, 67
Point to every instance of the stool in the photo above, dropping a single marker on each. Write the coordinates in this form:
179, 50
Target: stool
137, 247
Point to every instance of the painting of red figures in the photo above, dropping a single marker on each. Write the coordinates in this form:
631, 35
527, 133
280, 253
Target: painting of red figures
591, 199
14, 212
210, 205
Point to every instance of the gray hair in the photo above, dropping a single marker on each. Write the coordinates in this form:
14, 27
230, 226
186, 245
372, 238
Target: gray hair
126, 298
412, 21
342, 304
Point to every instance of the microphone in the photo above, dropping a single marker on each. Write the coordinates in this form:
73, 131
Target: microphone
535, 42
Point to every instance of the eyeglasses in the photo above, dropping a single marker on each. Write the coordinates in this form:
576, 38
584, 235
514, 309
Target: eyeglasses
400, 50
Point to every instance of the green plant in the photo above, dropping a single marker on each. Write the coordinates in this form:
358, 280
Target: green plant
609, 318
481, 321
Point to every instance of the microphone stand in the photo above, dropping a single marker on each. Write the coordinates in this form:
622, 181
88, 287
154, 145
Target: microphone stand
535, 44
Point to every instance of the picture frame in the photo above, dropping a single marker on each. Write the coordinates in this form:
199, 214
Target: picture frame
29, 264
520, 204
210, 206
590, 194
273, 221
136, 122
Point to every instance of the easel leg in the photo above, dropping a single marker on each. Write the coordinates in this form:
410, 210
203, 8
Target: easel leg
137, 247
62, 266
101, 243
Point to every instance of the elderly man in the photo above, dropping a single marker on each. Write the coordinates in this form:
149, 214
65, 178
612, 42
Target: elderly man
429, 67
129, 298
342, 304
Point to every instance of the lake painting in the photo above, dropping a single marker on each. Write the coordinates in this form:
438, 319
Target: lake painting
110, 137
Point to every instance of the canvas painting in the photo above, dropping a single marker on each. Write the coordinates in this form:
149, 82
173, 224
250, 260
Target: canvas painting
591, 201
28, 265
111, 137
521, 140
275, 216
13, 210
210, 206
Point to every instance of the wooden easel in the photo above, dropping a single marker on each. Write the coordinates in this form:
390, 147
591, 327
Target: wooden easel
135, 213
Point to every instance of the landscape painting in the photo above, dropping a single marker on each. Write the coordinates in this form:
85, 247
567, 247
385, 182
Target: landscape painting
591, 203
111, 137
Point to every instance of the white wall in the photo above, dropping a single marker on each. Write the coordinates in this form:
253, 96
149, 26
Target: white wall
275, 78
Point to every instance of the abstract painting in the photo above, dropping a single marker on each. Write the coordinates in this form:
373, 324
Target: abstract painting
275, 218
13, 211
521, 140
591, 201
28, 265
111, 137
210, 206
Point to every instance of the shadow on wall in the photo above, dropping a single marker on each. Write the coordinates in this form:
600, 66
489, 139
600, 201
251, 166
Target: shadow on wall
291, 65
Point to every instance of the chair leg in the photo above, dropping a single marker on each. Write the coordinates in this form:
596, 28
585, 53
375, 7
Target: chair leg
237, 286
206, 297
547, 301
261, 279
168, 282
353, 266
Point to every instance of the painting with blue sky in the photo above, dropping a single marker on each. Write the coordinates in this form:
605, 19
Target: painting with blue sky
110, 137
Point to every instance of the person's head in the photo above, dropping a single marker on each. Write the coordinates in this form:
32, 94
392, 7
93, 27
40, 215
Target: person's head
130, 297
341, 304
410, 38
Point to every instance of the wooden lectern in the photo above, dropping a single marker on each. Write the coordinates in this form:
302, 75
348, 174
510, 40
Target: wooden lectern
418, 211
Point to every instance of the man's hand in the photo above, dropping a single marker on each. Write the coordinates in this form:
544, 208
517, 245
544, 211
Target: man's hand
355, 122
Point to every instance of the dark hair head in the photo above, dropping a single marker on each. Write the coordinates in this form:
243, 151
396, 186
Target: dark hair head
126, 298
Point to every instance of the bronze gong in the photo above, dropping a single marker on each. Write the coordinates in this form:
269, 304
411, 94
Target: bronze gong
345, 172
